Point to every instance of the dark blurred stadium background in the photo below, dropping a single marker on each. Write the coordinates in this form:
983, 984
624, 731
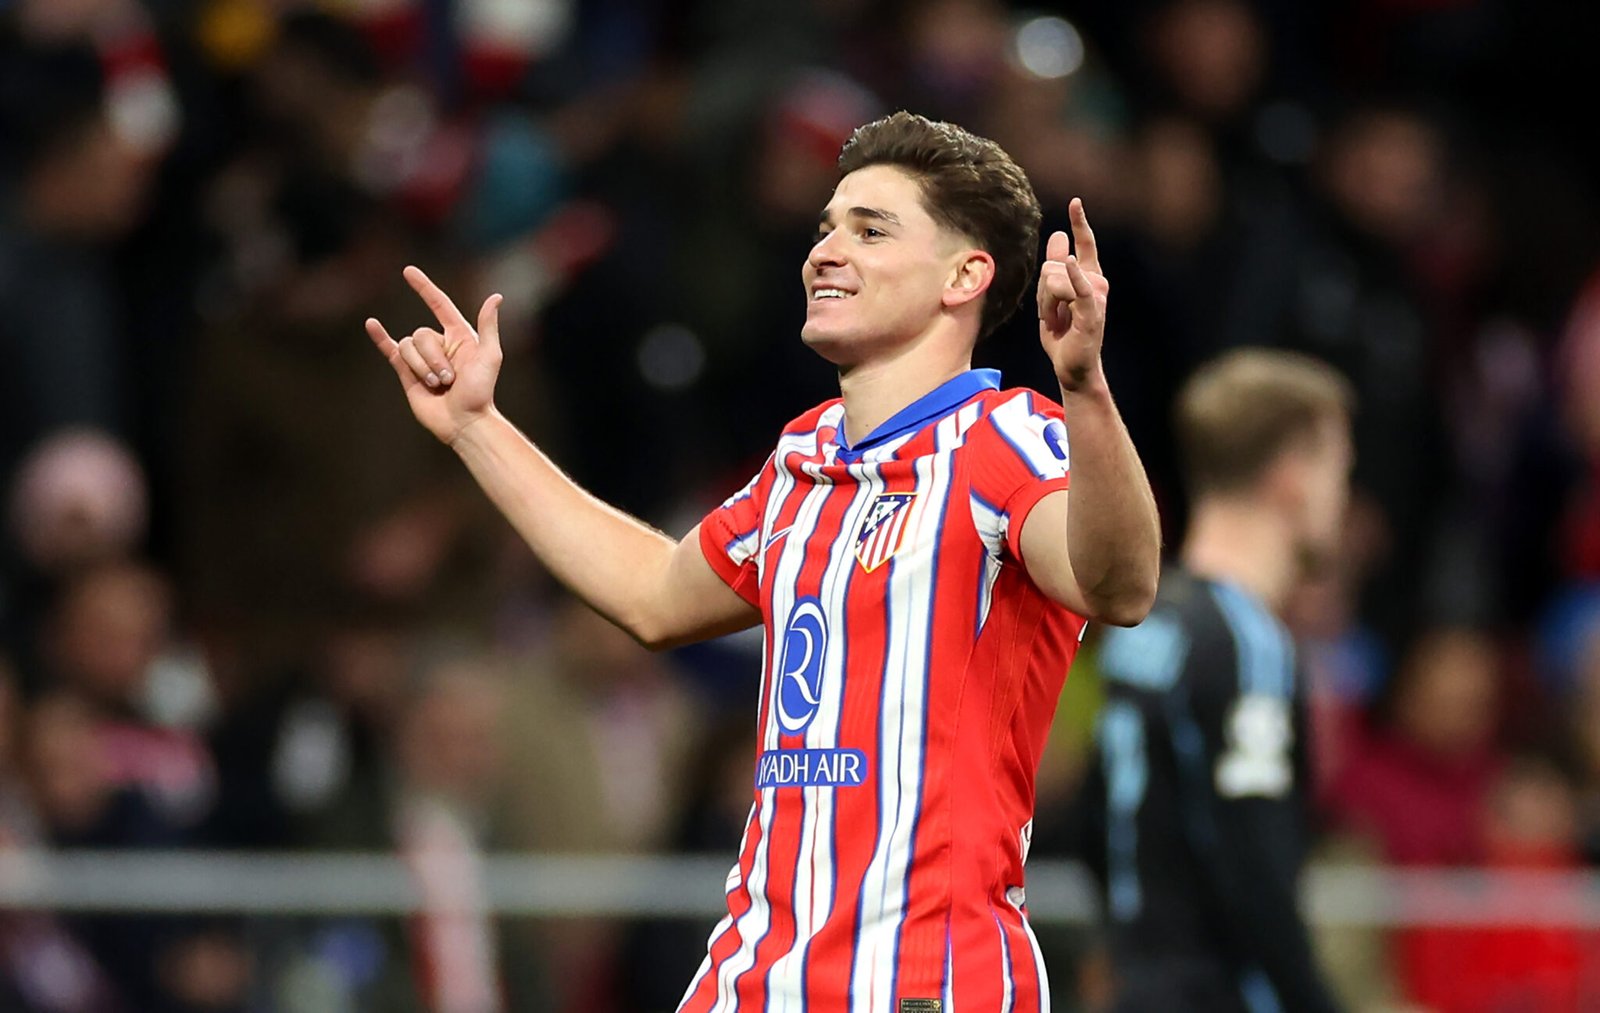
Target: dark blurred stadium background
248, 607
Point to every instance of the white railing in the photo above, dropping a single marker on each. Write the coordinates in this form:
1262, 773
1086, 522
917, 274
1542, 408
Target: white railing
558, 886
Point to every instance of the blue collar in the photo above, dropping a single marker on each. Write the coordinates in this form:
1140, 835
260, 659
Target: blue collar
935, 404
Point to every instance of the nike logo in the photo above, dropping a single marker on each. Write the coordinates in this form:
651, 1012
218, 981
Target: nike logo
775, 536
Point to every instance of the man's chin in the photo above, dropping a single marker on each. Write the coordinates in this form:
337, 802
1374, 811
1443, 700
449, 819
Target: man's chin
831, 346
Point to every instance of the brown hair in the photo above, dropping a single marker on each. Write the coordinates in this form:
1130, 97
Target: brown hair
1237, 413
970, 185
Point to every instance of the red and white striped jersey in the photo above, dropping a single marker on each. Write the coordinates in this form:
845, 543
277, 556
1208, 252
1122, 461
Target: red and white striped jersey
910, 675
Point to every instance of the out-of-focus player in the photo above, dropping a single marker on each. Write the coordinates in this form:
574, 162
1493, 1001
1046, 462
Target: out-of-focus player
908, 548
1201, 786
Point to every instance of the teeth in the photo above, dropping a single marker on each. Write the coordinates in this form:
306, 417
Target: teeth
830, 293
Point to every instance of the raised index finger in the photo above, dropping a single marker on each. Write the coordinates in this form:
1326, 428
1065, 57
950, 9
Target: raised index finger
1083, 237
433, 295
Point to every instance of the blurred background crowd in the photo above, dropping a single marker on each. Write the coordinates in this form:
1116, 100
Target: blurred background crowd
246, 603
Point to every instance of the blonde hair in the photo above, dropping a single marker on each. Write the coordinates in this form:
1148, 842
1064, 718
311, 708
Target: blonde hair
1240, 411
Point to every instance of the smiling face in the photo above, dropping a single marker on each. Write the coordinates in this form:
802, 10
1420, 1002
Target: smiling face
883, 273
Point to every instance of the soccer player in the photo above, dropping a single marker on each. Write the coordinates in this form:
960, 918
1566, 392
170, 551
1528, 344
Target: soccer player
909, 550
1201, 782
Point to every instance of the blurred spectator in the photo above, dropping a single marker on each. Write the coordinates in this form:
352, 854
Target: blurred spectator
78, 497
304, 753
450, 771
1416, 784
1582, 721
660, 955
75, 172
346, 174
1346, 662
43, 967
1336, 280
1236, 69
406, 758
1528, 824
111, 643
156, 963
1577, 538
1210, 56
599, 732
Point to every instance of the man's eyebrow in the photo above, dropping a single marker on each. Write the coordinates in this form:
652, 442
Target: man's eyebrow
875, 214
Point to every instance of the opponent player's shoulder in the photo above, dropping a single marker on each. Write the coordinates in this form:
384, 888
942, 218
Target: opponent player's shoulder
1255, 653
1184, 627
1238, 644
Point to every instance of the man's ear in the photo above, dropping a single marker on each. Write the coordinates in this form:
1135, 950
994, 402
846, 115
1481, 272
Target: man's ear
969, 279
1285, 480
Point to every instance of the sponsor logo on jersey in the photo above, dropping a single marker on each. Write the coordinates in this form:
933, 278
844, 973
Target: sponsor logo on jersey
805, 642
811, 768
921, 1006
883, 529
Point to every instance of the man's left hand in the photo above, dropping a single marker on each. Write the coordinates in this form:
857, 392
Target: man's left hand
1072, 305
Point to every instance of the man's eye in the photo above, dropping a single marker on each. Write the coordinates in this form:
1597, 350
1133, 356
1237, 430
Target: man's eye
872, 233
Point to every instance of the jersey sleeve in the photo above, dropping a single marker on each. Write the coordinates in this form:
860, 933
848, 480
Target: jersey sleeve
1022, 458
730, 536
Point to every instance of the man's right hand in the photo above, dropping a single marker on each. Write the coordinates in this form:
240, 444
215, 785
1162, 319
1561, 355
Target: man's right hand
448, 376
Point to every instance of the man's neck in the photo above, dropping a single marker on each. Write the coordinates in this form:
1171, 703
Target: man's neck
1243, 543
874, 391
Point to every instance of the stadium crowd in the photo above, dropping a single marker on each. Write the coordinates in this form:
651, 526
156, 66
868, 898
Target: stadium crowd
247, 604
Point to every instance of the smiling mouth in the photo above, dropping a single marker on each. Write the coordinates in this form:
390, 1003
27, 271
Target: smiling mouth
830, 293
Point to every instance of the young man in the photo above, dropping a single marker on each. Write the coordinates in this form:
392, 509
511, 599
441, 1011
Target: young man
908, 548
1202, 790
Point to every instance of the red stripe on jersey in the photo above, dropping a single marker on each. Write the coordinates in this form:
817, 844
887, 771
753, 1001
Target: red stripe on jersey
787, 829
726, 944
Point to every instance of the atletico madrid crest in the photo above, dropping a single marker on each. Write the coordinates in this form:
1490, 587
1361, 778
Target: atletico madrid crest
883, 528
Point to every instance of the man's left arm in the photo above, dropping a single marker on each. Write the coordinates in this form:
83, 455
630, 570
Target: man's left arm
1100, 557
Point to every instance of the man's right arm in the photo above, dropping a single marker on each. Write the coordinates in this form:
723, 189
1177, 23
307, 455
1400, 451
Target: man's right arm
662, 592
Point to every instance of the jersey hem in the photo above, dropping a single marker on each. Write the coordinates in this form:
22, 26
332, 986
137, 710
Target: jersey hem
743, 582
1022, 504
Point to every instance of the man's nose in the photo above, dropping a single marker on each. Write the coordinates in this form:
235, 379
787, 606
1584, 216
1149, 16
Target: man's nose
826, 252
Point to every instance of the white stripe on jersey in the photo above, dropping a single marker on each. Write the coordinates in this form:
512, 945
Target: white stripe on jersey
732, 883
991, 525
1008, 997
902, 717
814, 872
1038, 957
885, 451
705, 964
741, 549
754, 924
952, 430
749, 487
1024, 431
949, 976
